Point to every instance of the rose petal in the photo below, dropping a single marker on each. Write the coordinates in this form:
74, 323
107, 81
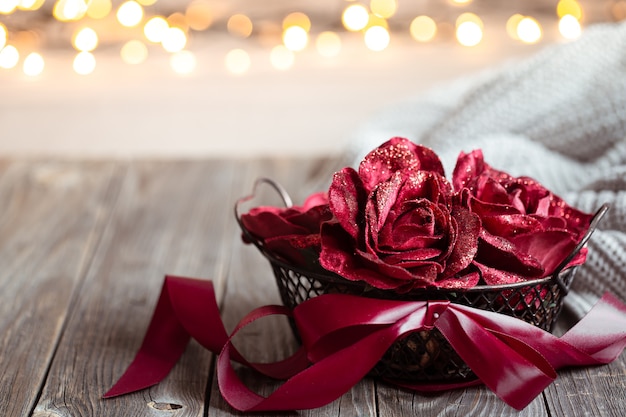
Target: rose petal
397, 154
463, 281
338, 256
549, 247
493, 276
466, 245
500, 253
344, 196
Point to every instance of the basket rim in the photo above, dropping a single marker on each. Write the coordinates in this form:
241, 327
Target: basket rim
556, 277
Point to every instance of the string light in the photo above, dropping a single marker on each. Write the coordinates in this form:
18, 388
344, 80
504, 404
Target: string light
9, 57
175, 31
33, 64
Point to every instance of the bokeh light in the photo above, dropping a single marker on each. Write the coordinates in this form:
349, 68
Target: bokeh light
377, 38
199, 15
529, 30
569, 27
240, 25
238, 61
355, 17
469, 29
569, 7
4, 34
423, 29
384, 8
30, 5
9, 57
8, 6
328, 44
183, 62
85, 39
134, 52
511, 25
130, 13
295, 38
99, 9
66, 10
33, 64
174, 40
282, 58
156, 29
84, 63
297, 19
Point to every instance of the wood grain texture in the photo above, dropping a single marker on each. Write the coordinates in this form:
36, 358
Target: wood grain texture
52, 216
593, 391
167, 219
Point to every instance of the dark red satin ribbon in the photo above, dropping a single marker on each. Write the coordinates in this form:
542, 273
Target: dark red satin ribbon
344, 336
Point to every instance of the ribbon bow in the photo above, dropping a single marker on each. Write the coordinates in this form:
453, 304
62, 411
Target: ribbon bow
344, 336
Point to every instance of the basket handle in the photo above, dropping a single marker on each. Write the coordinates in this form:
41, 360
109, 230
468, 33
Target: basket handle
284, 195
593, 225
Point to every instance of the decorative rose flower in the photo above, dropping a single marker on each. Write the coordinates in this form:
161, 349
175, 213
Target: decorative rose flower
527, 231
287, 231
395, 227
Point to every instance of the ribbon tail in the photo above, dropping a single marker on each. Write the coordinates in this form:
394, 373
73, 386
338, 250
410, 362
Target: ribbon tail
601, 334
508, 366
162, 346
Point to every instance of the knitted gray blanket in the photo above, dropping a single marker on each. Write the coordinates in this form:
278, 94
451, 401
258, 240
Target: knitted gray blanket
559, 117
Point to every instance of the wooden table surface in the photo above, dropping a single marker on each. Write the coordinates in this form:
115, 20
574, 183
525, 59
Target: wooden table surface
84, 246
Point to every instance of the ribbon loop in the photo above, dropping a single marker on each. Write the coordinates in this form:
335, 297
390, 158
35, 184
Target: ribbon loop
344, 336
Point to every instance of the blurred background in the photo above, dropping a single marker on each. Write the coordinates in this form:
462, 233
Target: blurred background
203, 78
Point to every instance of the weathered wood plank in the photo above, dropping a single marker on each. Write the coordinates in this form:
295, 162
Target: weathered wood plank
168, 218
251, 284
594, 391
53, 214
476, 401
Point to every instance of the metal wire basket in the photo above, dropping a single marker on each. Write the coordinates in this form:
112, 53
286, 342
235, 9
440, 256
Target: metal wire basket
426, 356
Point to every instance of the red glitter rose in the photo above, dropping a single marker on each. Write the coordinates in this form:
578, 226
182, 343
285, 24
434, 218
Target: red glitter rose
287, 231
395, 227
527, 231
